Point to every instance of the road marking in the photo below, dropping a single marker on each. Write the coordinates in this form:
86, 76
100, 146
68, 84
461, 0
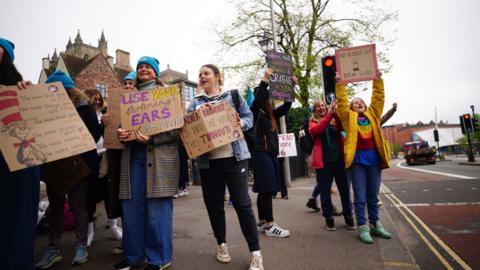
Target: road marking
474, 188
437, 204
425, 190
400, 264
399, 165
449, 189
401, 208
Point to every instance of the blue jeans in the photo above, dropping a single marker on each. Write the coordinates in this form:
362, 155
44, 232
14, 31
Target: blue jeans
324, 182
366, 184
19, 209
316, 191
147, 223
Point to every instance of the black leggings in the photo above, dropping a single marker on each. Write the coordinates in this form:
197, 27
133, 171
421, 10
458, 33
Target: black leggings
264, 206
233, 174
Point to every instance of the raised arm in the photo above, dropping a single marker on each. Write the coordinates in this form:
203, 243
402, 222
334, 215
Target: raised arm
389, 114
378, 97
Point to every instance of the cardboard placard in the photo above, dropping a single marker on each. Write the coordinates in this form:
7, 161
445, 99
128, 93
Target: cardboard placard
281, 84
357, 64
210, 127
151, 112
40, 125
286, 145
110, 139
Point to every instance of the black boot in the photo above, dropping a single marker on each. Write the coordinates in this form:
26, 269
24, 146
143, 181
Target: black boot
312, 203
330, 224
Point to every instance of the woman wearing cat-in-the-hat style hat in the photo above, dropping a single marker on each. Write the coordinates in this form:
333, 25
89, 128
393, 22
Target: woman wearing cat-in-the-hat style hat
20, 189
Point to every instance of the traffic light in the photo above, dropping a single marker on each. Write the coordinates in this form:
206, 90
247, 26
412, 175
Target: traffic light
328, 72
476, 124
435, 135
466, 123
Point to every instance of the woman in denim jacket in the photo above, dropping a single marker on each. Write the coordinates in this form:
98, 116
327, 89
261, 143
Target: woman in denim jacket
226, 166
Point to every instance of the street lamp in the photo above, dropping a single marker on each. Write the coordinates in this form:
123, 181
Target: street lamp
264, 42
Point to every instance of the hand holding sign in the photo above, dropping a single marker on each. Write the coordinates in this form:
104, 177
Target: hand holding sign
356, 64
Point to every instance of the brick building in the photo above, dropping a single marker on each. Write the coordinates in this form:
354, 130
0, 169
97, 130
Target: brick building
92, 67
89, 66
399, 134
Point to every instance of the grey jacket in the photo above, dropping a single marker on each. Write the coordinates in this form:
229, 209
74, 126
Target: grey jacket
163, 164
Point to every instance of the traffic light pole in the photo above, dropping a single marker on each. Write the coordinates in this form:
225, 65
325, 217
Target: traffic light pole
471, 156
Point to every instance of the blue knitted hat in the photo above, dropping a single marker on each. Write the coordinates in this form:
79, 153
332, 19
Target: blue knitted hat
60, 76
8, 46
130, 76
153, 62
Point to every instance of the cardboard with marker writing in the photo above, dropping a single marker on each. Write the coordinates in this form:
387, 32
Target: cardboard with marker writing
110, 139
210, 127
151, 112
281, 84
40, 124
356, 64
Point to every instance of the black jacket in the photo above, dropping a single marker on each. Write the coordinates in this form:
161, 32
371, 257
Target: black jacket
266, 139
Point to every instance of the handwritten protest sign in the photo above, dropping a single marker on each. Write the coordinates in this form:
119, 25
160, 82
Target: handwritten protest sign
210, 127
281, 84
286, 145
356, 64
151, 112
40, 125
110, 139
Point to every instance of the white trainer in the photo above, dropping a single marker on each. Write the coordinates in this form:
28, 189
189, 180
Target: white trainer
116, 233
276, 231
222, 254
256, 263
183, 193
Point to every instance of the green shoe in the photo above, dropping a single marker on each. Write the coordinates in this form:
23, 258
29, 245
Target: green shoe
380, 231
364, 233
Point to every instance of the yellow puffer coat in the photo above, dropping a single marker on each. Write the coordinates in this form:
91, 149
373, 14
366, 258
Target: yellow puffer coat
373, 113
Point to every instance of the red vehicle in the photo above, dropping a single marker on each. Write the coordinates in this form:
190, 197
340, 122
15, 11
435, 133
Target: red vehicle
419, 153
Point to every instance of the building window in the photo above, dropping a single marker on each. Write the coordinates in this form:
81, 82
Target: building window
102, 88
189, 92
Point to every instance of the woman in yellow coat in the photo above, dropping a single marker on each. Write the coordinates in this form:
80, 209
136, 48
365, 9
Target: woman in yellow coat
366, 154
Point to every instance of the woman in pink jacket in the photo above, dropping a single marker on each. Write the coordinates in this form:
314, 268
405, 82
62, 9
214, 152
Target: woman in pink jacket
328, 162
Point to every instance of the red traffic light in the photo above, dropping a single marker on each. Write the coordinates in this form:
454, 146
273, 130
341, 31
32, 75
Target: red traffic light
466, 116
328, 62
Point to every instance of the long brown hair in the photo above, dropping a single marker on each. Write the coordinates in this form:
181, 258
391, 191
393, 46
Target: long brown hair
269, 110
77, 96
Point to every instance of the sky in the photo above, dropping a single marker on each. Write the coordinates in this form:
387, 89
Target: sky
435, 59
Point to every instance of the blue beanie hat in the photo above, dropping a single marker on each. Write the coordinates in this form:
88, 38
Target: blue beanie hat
60, 76
130, 76
8, 46
153, 62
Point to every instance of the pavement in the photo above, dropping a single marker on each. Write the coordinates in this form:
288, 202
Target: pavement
310, 246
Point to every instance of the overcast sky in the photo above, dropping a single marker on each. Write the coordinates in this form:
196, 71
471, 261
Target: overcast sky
435, 58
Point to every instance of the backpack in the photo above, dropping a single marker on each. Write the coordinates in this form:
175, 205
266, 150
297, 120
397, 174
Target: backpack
250, 134
305, 140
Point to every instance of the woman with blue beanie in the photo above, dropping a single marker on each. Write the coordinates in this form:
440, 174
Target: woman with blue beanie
148, 180
76, 189
19, 192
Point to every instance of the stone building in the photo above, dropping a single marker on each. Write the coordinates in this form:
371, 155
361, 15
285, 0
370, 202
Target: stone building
92, 67
89, 66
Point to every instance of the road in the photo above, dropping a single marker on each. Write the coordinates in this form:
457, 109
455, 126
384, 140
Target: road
436, 209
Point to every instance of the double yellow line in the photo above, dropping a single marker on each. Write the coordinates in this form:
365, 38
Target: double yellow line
403, 209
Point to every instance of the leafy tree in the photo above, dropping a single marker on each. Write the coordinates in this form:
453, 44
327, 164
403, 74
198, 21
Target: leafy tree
307, 30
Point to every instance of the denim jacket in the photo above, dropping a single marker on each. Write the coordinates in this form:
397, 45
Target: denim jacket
240, 149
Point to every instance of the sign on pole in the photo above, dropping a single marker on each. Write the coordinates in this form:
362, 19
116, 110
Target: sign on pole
281, 84
210, 127
356, 64
286, 145
151, 112
40, 125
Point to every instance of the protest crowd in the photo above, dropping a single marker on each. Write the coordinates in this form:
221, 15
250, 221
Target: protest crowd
142, 179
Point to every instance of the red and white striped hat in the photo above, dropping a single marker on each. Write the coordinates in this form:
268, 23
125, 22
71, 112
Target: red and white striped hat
9, 108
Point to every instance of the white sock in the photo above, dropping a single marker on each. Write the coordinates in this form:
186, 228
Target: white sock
91, 228
256, 253
112, 222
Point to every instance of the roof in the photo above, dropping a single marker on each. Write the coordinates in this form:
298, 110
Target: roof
74, 64
121, 73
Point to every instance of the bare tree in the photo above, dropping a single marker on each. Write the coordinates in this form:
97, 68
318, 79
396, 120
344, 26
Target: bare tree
307, 30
